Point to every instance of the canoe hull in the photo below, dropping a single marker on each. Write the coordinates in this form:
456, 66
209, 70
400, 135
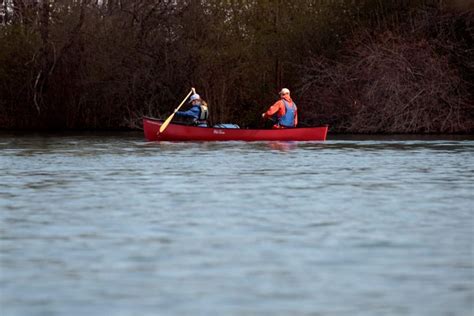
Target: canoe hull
176, 132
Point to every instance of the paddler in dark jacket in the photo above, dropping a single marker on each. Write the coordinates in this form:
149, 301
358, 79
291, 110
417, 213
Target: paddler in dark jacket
284, 110
198, 111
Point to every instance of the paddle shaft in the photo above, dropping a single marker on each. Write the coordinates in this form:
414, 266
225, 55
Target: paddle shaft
168, 120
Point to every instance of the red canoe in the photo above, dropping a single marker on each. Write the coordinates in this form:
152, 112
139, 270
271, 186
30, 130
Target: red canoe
177, 132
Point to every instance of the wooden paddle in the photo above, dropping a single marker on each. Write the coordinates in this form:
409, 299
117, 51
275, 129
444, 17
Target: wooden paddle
168, 120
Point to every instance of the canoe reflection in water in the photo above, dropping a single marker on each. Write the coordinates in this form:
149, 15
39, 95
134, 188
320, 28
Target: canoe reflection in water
282, 146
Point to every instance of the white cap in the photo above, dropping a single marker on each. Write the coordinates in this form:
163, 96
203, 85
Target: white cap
194, 97
284, 91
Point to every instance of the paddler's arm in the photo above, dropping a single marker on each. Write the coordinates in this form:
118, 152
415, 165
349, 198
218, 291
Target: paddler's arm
273, 109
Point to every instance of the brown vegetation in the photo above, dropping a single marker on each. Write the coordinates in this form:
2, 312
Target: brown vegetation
393, 83
361, 66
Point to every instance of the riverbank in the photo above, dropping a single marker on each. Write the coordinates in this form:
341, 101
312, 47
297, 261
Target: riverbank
138, 134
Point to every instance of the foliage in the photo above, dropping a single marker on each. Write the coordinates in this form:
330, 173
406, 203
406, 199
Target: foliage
104, 64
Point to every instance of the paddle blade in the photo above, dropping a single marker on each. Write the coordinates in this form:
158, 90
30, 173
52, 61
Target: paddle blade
166, 123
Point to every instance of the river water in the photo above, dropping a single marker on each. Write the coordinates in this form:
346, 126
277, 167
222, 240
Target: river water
108, 224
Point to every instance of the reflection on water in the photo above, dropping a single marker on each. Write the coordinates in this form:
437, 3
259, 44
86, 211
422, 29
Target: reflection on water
282, 146
110, 224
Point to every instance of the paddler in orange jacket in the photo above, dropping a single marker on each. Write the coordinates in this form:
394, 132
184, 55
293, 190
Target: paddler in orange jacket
285, 111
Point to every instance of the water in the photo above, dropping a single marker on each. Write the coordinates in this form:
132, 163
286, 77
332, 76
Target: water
99, 224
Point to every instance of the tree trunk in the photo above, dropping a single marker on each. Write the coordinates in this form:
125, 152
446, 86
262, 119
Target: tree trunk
3, 12
44, 23
18, 11
278, 67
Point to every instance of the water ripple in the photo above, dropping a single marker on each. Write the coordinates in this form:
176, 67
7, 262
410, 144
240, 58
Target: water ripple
110, 224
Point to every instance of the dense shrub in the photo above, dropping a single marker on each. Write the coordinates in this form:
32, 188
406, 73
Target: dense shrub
402, 82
